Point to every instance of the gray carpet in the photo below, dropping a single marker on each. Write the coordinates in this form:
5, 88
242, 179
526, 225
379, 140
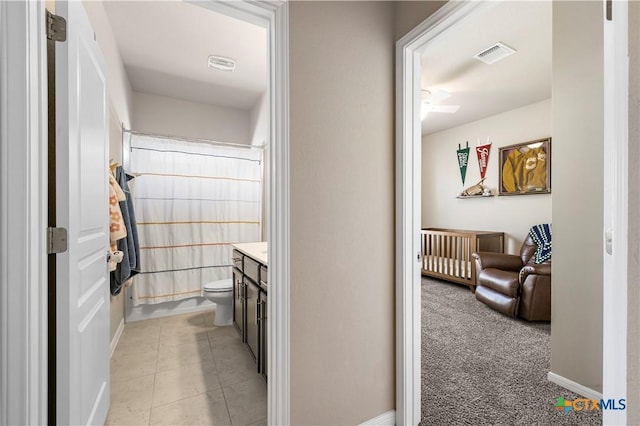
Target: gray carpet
480, 367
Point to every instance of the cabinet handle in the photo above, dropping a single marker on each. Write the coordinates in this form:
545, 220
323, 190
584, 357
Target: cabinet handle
258, 309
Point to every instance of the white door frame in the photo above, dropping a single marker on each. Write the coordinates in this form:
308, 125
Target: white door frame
616, 209
23, 207
408, 210
408, 197
23, 214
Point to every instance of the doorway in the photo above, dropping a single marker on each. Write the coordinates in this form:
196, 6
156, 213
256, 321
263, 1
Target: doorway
408, 181
28, 377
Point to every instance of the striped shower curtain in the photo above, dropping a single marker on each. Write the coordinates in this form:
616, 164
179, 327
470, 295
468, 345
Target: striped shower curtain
192, 200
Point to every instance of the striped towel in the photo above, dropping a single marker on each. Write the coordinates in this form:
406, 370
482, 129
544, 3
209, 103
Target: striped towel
541, 235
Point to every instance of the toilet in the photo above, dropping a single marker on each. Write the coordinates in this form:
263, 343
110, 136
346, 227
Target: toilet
221, 293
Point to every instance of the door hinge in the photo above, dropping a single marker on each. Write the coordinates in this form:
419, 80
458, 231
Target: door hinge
56, 27
419, 257
56, 240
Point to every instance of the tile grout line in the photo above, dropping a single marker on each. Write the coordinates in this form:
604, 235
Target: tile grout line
224, 395
155, 375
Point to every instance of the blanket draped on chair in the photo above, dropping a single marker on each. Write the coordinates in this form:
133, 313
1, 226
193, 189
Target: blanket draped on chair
541, 234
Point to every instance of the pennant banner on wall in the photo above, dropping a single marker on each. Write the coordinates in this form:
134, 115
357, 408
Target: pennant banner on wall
482, 152
463, 160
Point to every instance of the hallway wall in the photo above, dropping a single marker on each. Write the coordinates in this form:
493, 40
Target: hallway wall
577, 170
342, 211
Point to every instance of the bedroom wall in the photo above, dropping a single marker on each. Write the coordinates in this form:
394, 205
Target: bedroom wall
178, 117
513, 215
577, 168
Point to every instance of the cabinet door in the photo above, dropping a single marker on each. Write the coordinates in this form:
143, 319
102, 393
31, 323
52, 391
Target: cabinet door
238, 303
264, 341
251, 305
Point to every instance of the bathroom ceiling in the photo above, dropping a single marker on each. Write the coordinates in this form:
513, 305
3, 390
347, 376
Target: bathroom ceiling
483, 90
165, 46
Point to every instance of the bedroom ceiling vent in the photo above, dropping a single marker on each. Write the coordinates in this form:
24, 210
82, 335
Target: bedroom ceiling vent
221, 63
494, 53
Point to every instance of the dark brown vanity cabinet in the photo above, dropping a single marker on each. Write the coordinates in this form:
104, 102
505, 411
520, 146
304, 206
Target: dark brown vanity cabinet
262, 319
239, 314
250, 307
251, 304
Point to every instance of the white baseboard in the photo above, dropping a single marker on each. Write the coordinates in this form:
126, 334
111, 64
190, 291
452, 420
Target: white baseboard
573, 386
116, 337
384, 419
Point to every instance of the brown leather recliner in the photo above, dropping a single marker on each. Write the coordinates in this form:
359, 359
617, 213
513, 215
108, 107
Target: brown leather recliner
515, 285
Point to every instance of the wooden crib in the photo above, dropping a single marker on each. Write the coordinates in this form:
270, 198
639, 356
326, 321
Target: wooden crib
446, 253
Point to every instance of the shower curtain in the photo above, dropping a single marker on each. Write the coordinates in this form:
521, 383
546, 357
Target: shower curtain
192, 200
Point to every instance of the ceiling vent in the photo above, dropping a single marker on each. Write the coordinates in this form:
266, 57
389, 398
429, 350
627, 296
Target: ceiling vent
221, 63
494, 53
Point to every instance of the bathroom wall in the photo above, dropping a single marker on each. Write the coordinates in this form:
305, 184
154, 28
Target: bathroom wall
259, 121
441, 182
179, 117
260, 136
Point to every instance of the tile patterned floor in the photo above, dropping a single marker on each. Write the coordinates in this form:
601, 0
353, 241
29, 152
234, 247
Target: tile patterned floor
182, 370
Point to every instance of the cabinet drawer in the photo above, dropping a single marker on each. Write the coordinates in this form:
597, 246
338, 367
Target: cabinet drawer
263, 275
251, 269
236, 259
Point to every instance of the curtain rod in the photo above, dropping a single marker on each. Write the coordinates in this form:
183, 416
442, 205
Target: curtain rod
189, 139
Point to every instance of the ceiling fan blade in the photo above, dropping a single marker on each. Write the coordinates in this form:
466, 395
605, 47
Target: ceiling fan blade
436, 97
441, 108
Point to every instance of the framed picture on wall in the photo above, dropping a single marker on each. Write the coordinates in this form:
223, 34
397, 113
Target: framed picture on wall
525, 168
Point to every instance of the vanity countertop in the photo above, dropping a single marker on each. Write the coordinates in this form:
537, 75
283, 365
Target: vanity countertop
258, 250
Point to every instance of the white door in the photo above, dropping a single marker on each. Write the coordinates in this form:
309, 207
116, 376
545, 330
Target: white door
82, 286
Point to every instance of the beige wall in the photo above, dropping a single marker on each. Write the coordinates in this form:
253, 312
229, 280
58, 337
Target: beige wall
633, 293
441, 176
577, 169
342, 211
178, 117
408, 14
